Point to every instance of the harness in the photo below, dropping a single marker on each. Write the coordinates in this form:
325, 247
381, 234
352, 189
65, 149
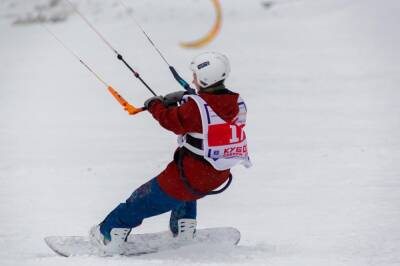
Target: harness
181, 153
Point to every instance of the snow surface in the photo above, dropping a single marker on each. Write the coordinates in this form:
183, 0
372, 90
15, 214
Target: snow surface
321, 79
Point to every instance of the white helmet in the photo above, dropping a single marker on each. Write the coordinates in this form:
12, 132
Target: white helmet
210, 68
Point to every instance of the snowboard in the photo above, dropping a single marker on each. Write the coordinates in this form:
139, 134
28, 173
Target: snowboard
139, 244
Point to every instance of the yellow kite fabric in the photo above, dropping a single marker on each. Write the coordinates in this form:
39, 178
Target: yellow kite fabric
211, 34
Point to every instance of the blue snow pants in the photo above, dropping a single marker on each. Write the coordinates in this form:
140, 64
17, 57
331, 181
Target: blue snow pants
147, 201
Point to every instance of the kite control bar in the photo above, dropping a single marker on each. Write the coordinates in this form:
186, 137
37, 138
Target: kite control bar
128, 107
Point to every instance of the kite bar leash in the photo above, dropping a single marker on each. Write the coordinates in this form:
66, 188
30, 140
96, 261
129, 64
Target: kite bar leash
127, 106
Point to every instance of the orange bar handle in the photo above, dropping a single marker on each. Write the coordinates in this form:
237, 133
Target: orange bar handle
128, 107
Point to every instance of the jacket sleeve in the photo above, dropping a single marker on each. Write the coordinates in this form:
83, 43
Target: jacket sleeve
180, 120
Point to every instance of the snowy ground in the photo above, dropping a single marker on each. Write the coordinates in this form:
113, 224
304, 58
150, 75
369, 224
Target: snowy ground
321, 79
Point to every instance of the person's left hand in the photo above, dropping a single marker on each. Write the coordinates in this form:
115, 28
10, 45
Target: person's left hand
172, 98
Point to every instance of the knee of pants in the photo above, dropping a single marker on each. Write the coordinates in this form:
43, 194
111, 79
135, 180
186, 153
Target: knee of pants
140, 193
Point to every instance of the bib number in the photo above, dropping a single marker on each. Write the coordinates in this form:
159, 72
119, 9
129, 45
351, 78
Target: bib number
225, 134
234, 137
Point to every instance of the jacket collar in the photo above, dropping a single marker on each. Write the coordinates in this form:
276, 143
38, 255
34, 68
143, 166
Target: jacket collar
213, 89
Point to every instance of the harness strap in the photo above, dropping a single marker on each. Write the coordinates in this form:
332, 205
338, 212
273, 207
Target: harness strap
194, 144
187, 184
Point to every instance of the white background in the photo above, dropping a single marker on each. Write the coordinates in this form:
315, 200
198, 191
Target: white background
321, 80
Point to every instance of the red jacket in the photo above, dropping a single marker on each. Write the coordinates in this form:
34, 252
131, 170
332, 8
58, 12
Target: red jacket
201, 175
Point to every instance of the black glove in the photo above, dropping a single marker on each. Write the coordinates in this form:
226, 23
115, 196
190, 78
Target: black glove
172, 98
148, 102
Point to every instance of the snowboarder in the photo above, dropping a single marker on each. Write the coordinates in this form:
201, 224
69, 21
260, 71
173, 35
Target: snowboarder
211, 141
